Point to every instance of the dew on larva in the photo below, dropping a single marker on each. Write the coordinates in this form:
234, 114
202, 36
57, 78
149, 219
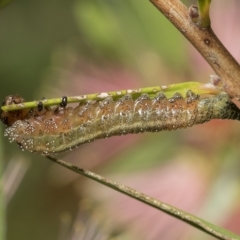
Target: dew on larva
48, 130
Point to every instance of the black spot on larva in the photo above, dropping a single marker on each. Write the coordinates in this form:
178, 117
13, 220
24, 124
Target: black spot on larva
4, 120
40, 106
64, 101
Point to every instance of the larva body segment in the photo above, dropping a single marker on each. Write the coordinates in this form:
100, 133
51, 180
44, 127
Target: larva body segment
60, 129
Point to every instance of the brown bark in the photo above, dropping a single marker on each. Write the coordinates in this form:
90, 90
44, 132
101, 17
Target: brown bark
206, 42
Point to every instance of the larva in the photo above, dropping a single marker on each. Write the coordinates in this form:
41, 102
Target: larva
62, 128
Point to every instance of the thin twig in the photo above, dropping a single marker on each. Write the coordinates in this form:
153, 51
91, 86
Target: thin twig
206, 42
170, 210
169, 91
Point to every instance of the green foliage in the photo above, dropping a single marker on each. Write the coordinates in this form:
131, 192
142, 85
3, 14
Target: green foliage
38, 41
204, 6
4, 2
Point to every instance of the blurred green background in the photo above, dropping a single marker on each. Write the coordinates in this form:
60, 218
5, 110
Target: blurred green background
55, 48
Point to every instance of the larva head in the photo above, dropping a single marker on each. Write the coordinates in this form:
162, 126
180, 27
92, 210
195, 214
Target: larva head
8, 118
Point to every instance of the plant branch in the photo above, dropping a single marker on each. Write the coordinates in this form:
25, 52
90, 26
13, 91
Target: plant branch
201, 224
206, 42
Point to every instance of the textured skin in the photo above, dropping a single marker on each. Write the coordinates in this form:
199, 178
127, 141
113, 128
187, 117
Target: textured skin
8, 118
60, 129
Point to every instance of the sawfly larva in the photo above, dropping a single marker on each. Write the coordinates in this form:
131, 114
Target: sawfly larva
51, 130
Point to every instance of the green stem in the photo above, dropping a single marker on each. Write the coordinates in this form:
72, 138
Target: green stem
169, 91
199, 223
204, 6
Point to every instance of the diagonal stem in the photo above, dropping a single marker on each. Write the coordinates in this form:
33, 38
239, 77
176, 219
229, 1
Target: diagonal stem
170, 210
206, 42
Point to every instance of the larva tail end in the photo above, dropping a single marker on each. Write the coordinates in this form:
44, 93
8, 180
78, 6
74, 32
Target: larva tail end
234, 111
